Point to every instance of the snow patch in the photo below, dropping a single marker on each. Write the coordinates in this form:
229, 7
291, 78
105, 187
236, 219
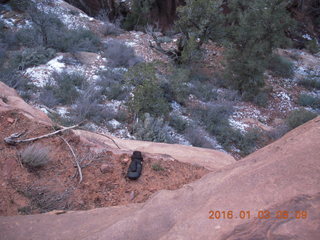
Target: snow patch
238, 125
114, 124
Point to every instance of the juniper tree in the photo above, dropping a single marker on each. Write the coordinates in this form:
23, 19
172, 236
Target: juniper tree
250, 30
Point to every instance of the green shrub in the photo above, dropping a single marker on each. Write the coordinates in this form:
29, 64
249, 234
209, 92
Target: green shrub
191, 52
152, 129
112, 85
175, 86
312, 82
299, 117
19, 5
138, 74
312, 46
250, 32
281, 66
250, 141
29, 37
35, 156
148, 97
309, 101
74, 40
157, 167
31, 57
216, 120
214, 116
261, 99
204, 91
3, 52
278, 132
178, 123
139, 15
66, 87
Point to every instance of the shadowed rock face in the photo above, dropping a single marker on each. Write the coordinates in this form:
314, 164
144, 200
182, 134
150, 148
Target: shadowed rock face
283, 176
162, 12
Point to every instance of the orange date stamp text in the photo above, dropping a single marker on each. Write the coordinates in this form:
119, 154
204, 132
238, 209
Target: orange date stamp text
261, 214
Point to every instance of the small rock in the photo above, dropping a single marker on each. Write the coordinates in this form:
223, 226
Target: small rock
132, 195
106, 168
125, 159
10, 120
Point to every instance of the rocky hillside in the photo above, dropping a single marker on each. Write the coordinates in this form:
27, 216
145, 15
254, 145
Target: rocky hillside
271, 194
97, 72
79, 94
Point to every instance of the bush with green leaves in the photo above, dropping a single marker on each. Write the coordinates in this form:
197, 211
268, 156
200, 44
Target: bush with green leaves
112, 85
299, 117
204, 91
75, 40
307, 100
148, 97
250, 140
139, 15
250, 31
281, 66
139, 73
31, 57
120, 55
214, 116
3, 53
175, 87
152, 129
311, 82
312, 46
178, 123
66, 86
216, 120
157, 167
20, 5
261, 99
35, 156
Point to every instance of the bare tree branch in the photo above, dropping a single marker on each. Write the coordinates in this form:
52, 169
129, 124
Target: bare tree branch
12, 139
75, 159
109, 138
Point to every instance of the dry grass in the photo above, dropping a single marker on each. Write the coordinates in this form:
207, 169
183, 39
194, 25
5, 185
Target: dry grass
35, 156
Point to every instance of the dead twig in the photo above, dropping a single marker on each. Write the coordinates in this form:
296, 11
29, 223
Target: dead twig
19, 160
75, 159
109, 138
12, 139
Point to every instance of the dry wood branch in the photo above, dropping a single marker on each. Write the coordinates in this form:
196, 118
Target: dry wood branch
109, 138
170, 53
75, 159
12, 139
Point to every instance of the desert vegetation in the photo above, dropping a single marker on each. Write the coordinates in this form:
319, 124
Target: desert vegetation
219, 59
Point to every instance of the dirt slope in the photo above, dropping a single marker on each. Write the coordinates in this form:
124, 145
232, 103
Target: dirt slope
282, 176
10, 100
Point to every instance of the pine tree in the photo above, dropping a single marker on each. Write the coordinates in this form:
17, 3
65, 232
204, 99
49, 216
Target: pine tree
250, 30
